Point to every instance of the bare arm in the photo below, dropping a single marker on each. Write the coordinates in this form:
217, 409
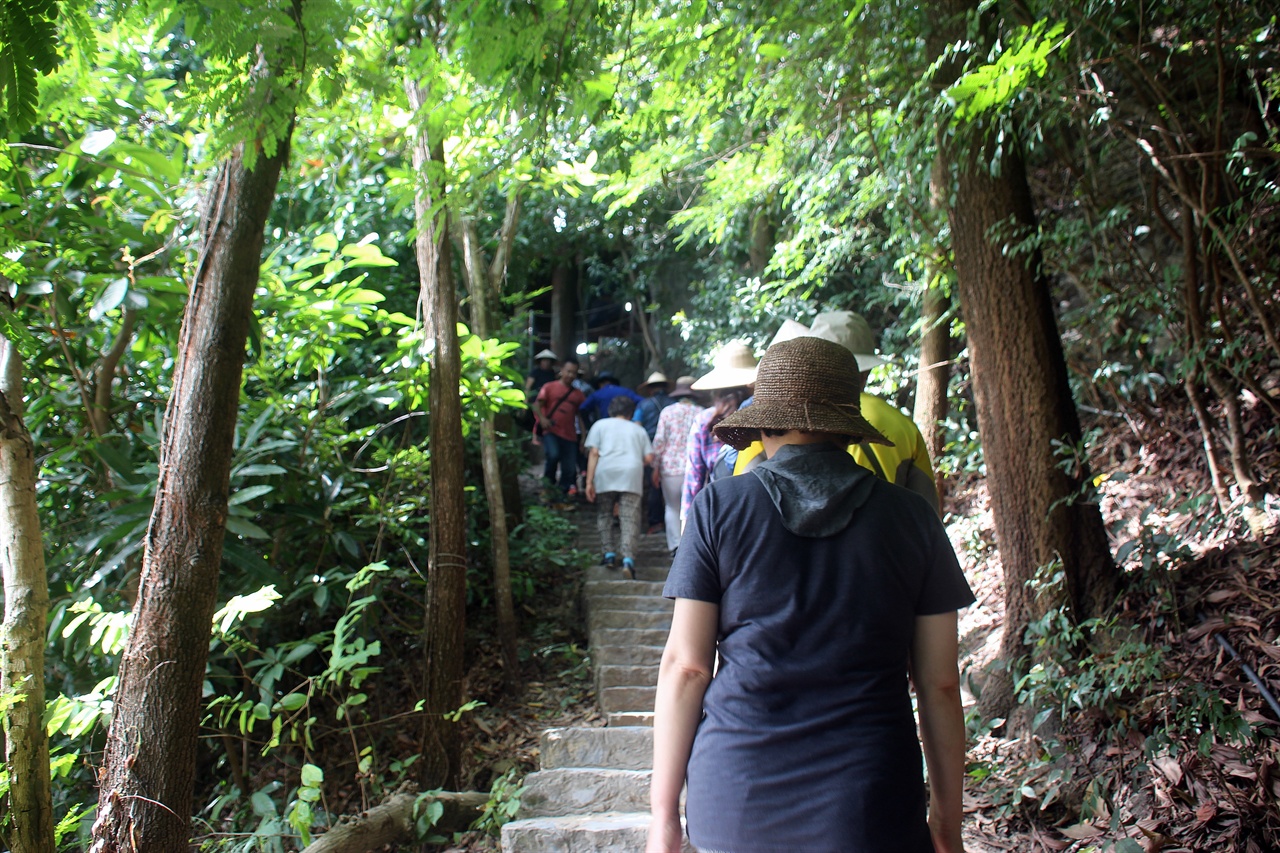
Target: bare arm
937, 680
593, 459
686, 669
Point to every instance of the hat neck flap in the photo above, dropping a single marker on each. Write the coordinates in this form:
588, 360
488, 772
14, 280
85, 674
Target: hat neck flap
816, 488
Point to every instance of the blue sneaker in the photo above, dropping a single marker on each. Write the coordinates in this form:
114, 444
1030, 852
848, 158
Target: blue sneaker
629, 568
610, 559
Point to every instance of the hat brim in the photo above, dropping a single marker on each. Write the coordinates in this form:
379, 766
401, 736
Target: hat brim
681, 392
644, 385
726, 377
743, 427
546, 354
867, 361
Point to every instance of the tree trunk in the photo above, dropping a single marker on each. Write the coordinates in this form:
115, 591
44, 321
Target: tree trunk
1023, 399
563, 303
144, 803
931, 405
447, 552
1024, 405
485, 288
22, 636
394, 822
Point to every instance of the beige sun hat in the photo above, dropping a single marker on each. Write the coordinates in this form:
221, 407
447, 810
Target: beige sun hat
655, 378
734, 367
806, 383
790, 329
546, 353
852, 332
684, 387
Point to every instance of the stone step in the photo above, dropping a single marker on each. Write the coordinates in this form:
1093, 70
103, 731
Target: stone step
626, 676
613, 585
626, 655
630, 718
628, 619
614, 699
630, 602
622, 747
629, 637
613, 832
561, 791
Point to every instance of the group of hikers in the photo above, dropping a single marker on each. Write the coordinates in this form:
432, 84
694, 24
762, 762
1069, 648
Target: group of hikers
652, 484
805, 594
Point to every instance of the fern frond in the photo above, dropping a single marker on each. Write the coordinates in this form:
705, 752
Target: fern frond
28, 48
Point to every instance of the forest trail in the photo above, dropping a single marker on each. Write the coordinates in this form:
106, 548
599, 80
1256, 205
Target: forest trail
591, 793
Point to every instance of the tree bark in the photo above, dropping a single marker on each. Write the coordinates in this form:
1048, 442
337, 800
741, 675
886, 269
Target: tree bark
563, 303
486, 287
145, 800
446, 599
931, 405
22, 635
1023, 405
1022, 395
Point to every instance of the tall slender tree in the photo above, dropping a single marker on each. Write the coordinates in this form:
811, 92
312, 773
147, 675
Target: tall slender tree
145, 798
22, 635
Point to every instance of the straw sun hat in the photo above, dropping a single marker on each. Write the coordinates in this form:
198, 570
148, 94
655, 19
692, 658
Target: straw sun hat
546, 353
807, 384
655, 378
734, 367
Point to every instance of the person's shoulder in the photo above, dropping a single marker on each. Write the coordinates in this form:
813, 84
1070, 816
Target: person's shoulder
901, 504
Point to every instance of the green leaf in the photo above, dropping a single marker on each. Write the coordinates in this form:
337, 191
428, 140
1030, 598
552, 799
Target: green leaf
249, 493
290, 702
246, 528
97, 141
112, 295
312, 775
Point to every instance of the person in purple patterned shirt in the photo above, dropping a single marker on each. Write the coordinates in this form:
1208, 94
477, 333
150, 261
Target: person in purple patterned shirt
733, 372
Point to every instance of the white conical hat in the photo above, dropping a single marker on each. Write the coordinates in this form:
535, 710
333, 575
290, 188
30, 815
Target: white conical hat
735, 366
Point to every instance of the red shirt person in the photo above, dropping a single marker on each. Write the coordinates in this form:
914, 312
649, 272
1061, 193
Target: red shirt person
556, 409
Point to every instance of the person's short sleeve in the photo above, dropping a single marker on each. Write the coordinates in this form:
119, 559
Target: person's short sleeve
695, 571
593, 435
945, 587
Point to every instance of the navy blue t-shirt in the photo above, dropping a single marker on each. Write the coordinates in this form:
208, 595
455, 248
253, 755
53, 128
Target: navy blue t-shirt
808, 742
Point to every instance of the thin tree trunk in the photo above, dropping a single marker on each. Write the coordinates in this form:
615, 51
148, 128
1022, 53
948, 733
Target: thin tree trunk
931, 405
22, 636
104, 375
563, 302
485, 288
447, 554
145, 798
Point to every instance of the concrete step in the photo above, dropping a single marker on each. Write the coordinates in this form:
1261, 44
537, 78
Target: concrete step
626, 676
630, 718
562, 791
630, 602
622, 747
613, 832
627, 619
626, 699
613, 585
629, 637
626, 655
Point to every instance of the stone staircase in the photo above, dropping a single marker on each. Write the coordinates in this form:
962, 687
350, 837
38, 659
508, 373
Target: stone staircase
591, 794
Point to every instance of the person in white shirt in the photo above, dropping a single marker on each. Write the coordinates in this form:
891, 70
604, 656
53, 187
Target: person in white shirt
618, 449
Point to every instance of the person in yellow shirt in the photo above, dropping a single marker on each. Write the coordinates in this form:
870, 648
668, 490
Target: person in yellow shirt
906, 462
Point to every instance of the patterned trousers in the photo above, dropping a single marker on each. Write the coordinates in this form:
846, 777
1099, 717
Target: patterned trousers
628, 515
